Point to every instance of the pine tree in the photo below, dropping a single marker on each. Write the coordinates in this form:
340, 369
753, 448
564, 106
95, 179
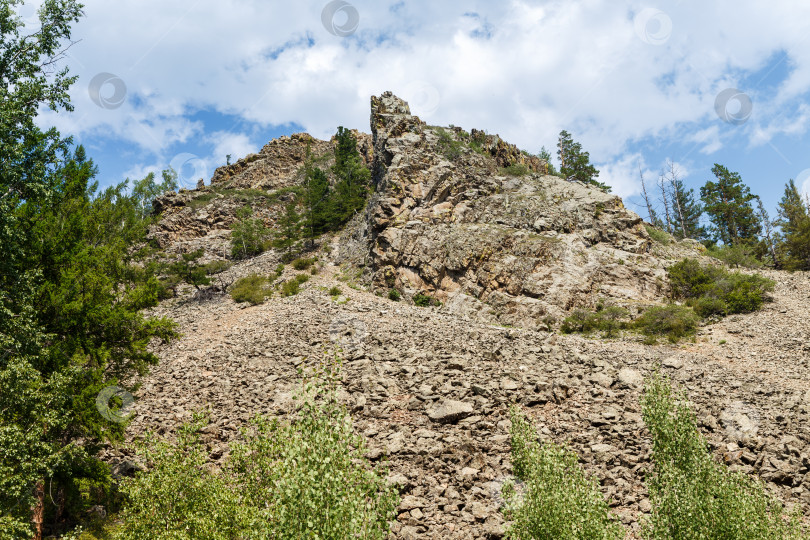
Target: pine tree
316, 200
728, 202
794, 221
575, 164
352, 180
289, 228
686, 217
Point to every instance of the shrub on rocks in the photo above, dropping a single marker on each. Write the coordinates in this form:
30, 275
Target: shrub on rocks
724, 291
558, 500
672, 321
306, 477
692, 495
253, 288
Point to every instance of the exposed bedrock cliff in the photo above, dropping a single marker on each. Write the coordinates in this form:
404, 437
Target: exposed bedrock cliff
452, 219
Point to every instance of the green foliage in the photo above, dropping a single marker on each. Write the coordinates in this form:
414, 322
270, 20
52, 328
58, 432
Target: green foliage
248, 235
658, 235
673, 321
335, 291
738, 293
728, 202
448, 145
293, 286
303, 264
394, 295
686, 211
575, 164
352, 180
545, 155
424, 300
303, 478
606, 319
794, 221
179, 498
288, 233
145, 191
516, 169
694, 497
253, 288
735, 255
188, 269
317, 218
558, 499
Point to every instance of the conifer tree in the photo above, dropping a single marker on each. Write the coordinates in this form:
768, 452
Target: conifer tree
352, 179
687, 211
289, 228
575, 164
794, 221
728, 202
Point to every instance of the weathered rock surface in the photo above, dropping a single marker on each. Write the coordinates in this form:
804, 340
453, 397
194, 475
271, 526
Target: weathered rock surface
515, 249
430, 388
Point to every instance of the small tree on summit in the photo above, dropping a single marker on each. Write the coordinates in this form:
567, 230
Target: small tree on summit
575, 164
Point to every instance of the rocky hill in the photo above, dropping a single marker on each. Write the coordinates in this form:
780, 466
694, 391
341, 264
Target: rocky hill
508, 250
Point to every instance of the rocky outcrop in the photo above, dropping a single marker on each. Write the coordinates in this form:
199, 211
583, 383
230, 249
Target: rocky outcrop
451, 220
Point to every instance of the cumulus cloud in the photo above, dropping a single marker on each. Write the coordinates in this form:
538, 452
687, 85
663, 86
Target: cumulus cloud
608, 72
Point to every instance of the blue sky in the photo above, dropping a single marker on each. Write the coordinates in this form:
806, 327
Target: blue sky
185, 83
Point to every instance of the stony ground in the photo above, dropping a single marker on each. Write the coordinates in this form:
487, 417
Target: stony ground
431, 390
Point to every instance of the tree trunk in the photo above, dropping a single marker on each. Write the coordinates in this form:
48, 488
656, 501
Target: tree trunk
38, 510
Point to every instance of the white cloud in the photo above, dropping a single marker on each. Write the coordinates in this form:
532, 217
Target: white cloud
540, 67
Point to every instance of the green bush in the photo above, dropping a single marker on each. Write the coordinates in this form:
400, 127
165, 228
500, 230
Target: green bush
303, 264
606, 319
658, 235
735, 256
693, 496
448, 146
310, 476
706, 306
249, 236
424, 300
253, 288
335, 291
179, 498
739, 293
516, 169
394, 295
303, 478
293, 286
558, 499
673, 321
